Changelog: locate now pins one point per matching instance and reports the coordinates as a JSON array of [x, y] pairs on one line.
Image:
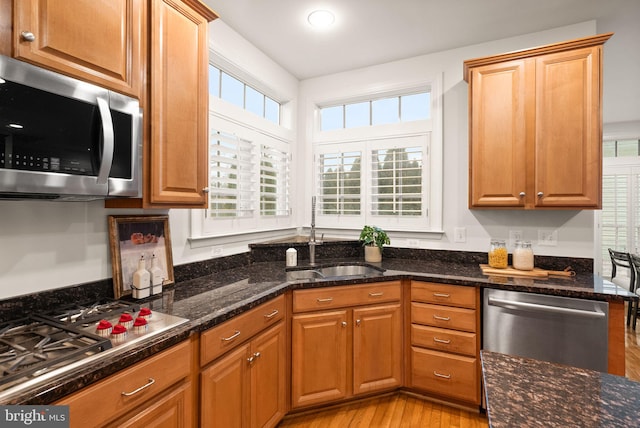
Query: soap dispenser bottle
[[156, 275], [141, 280]]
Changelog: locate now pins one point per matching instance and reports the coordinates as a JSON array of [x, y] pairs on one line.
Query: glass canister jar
[[498, 256], [523, 256]]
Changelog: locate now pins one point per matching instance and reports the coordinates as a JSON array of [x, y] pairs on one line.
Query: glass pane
[[356, 115], [415, 107], [254, 101], [386, 110], [214, 81], [627, 148], [331, 118], [609, 149], [272, 110], [232, 90]]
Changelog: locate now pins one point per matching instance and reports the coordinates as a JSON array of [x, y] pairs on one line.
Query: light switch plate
[[547, 237]]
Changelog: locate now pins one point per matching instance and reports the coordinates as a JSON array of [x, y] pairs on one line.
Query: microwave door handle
[[107, 141]]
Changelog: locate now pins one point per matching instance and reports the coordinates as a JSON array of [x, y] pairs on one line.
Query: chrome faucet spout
[[312, 233]]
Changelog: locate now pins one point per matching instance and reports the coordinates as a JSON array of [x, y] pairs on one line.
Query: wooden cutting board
[[535, 273]]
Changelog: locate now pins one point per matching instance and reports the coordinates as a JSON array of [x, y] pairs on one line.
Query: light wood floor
[[402, 410]]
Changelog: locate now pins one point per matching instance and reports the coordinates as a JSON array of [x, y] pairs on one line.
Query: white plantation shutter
[[339, 183], [396, 181], [274, 181], [231, 188]]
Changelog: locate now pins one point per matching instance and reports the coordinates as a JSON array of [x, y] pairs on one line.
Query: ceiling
[[368, 32]]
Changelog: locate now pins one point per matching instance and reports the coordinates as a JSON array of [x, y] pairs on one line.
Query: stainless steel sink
[[334, 272]]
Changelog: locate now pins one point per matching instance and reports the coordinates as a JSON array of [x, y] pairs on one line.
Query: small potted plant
[[373, 239]]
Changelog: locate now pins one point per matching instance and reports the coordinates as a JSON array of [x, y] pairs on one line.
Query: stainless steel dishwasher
[[558, 329]]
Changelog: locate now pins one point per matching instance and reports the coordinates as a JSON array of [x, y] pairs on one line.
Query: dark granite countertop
[[523, 392], [211, 299]]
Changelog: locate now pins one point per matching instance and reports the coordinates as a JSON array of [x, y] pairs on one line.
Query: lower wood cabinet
[[343, 352], [156, 392], [445, 343], [246, 387]]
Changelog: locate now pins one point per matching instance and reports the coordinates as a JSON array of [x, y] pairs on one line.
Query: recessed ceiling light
[[321, 19]]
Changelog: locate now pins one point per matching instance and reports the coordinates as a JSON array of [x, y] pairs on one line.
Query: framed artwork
[[135, 237]]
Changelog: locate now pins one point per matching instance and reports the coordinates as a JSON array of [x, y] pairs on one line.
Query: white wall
[[46, 245]]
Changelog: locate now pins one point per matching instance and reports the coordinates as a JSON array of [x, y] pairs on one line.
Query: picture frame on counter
[[136, 237]]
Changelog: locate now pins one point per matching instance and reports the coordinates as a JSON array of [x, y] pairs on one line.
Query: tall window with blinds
[[231, 189], [274, 181], [396, 181], [339, 183]]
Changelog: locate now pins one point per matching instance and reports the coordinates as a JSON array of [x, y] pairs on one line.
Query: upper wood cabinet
[[101, 41], [178, 107], [535, 127]]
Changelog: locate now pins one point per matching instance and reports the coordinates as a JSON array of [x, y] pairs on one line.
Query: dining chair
[[621, 259], [635, 306]]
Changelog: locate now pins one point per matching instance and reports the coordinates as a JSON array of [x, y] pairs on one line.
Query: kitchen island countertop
[[212, 299], [523, 392]]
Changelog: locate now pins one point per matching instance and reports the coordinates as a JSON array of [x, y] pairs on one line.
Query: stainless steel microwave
[[65, 139]]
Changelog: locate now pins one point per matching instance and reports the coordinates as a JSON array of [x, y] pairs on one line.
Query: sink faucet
[[312, 234]]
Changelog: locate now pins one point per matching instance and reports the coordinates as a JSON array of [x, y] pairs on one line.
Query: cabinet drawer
[[222, 338], [443, 339], [347, 295], [444, 316], [450, 375], [95, 405], [443, 294]]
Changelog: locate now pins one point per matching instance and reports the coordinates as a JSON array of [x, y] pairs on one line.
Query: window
[[378, 160], [274, 182], [223, 85], [231, 191], [404, 108], [619, 219]]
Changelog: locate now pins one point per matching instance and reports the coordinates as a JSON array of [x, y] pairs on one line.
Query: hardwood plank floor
[[404, 410], [389, 411]]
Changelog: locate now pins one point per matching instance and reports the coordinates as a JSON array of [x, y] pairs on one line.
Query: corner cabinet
[[535, 127], [100, 41], [346, 341]]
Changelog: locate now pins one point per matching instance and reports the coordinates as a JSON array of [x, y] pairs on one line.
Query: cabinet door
[[96, 40], [498, 136], [179, 105], [224, 391], [377, 348], [319, 357], [268, 378], [172, 410], [568, 129]]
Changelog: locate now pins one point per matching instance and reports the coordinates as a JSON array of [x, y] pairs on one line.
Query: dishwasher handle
[[512, 304]]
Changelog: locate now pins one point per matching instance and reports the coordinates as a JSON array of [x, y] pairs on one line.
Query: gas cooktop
[[40, 347]]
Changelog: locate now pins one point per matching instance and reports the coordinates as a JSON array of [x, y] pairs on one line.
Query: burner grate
[[90, 312]]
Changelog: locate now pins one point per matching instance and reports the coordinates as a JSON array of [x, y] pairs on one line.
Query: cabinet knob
[[28, 36], [522, 194], [205, 190], [540, 194], [358, 323], [344, 323]]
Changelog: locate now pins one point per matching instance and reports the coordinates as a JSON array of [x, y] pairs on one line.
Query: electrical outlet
[[413, 243], [216, 251], [460, 234], [547, 237], [514, 235]]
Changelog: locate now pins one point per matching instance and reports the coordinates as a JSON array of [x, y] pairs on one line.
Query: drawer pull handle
[[439, 318], [444, 376], [328, 299], [252, 358], [445, 341], [135, 391], [233, 336], [272, 314], [376, 294], [445, 295]]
